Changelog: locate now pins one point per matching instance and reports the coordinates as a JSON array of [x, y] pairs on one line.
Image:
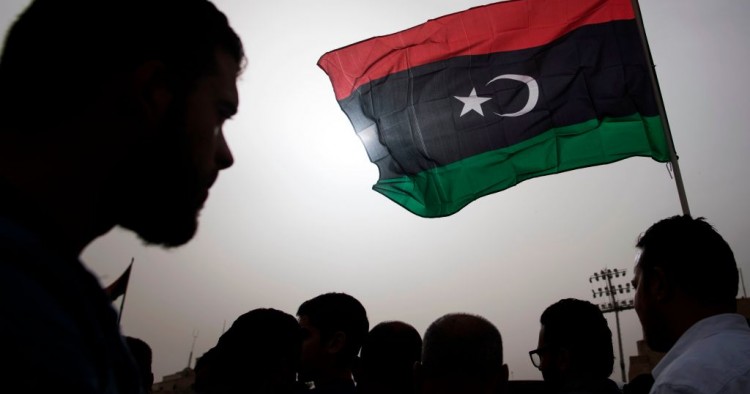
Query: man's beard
[[160, 192], [654, 326]]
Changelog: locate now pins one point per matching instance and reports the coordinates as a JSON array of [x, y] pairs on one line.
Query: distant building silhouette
[[176, 383], [644, 362]]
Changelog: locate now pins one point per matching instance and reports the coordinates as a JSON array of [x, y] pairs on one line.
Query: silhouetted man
[[461, 354], [334, 325], [387, 359], [111, 113], [574, 352], [259, 354], [686, 287], [143, 357]]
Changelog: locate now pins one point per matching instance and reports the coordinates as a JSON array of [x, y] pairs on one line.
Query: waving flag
[[475, 102]]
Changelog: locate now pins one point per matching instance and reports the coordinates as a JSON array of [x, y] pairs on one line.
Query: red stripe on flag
[[498, 27]]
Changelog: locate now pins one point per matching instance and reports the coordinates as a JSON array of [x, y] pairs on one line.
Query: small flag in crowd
[[120, 286]]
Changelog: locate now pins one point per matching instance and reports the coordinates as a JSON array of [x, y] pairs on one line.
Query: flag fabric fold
[[475, 102], [120, 286]]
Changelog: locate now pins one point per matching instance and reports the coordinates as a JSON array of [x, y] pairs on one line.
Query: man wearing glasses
[[575, 349]]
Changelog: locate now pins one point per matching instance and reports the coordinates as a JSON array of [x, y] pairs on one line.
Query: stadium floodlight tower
[[612, 295]]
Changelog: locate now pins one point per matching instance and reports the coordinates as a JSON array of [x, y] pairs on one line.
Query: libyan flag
[[475, 102]]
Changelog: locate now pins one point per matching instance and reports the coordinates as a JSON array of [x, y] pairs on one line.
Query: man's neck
[[64, 228], [689, 312]]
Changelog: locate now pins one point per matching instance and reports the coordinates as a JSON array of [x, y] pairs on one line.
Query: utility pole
[[613, 304]]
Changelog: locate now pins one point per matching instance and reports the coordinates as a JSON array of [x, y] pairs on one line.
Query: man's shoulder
[[41, 341], [726, 345], [716, 363], [25, 298], [58, 331], [31, 280]]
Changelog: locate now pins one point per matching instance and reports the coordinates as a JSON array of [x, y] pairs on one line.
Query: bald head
[[458, 346], [391, 344], [387, 359]]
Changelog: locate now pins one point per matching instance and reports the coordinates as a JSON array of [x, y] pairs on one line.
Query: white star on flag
[[472, 102]]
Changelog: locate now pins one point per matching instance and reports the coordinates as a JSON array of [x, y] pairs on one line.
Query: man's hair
[[460, 346], [580, 327], [143, 356], [694, 256], [260, 335], [258, 344], [332, 312], [391, 344], [60, 55], [388, 355], [140, 351]]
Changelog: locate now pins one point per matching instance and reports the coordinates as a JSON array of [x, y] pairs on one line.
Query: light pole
[[614, 303]]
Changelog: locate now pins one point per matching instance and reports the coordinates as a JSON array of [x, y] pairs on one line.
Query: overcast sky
[[296, 217]]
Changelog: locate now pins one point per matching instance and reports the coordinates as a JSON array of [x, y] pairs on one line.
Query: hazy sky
[[296, 217]]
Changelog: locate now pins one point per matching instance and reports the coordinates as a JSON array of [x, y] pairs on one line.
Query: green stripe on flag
[[445, 190]]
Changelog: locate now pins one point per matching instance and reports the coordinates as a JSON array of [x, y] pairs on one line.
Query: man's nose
[[224, 156]]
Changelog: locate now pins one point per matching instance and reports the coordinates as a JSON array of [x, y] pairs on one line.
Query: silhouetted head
[[575, 344], [74, 50], [139, 90], [334, 326], [461, 353], [142, 356], [258, 354], [685, 271], [387, 359]]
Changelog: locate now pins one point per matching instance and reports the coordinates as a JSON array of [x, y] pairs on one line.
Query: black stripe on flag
[[411, 121]]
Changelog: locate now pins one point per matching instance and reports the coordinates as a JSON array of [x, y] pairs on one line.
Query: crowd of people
[[126, 130], [686, 284], [686, 311]]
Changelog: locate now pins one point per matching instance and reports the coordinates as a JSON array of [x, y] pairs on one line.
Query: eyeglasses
[[535, 356]]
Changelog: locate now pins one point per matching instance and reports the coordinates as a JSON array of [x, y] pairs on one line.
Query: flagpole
[[125, 293], [190, 358], [662, 110]]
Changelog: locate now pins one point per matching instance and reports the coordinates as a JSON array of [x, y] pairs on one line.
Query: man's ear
[[151, 90], [336, 343], [504, 373], [658, 285]]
